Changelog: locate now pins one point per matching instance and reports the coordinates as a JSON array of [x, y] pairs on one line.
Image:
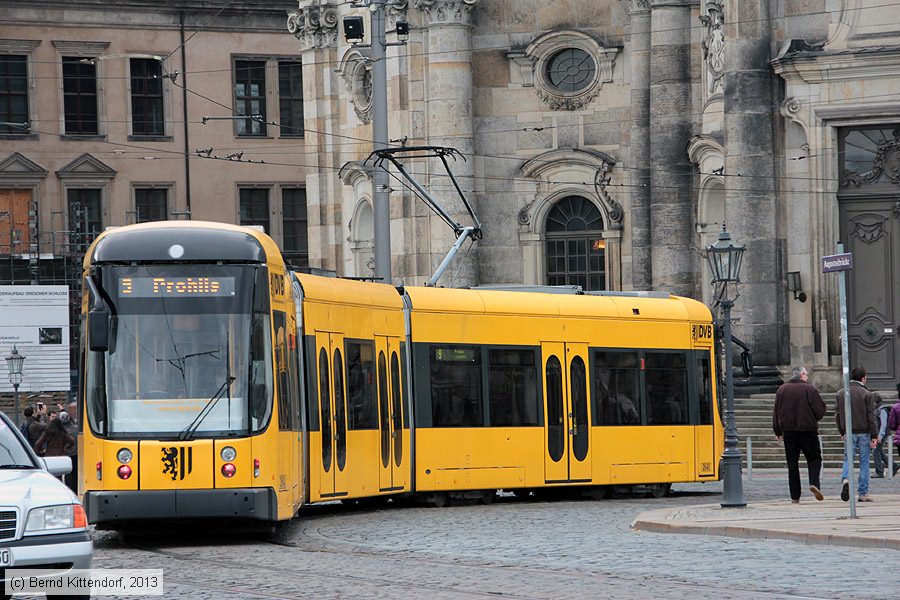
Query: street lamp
[[15, 362], [725, 261]]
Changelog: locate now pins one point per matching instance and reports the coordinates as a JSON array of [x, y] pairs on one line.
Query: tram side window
[[281, 368], [362, 410], [512, 381], [456, 397], [617, 399], [260, 355], [704, 388], [665, 380]]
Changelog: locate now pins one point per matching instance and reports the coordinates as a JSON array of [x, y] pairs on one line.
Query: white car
[[42, 523]]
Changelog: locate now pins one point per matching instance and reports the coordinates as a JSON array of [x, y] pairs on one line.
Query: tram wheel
[[599, 492], [660, 490], [488, 497], [438, 500]]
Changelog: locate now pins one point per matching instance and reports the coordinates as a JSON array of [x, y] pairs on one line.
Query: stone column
[[750, 208], [314, 24], [671, 207], [449, 122], [638, 42]]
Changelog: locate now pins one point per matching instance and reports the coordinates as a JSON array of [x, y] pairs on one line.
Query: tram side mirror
[[98, 329]]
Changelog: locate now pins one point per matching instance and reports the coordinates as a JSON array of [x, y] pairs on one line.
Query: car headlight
[[50, 517]]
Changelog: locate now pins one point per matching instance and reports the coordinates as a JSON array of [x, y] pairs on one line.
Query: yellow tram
[[217, 384]]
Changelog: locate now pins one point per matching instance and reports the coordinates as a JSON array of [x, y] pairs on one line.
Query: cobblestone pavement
[[510, 549]]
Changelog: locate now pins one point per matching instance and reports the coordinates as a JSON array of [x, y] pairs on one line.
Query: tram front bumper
[[247, 503]]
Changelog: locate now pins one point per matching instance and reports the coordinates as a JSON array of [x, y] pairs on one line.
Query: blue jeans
[[861, 444]]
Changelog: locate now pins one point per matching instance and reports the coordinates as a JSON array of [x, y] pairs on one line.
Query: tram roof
[[200, 240], [349, 291], [452, 300]]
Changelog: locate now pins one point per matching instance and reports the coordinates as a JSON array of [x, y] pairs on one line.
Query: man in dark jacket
[[864, 430], [798, 410]]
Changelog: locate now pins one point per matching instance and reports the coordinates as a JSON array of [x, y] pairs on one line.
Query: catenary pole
[[381, 190]]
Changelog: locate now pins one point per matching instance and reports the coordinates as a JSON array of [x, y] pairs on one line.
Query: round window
[[571, 70]]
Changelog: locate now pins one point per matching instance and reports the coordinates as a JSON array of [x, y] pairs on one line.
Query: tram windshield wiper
[[187, 433]]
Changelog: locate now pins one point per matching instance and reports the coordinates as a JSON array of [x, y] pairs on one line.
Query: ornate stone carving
[[868, 228], [637, 6], [314, 24], [444, 12], [714, 44], [790, 107], [896, 210], [886, 162], [614, 209]]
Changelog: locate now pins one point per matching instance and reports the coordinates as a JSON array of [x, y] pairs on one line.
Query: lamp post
[[15, 362], [725, 261]]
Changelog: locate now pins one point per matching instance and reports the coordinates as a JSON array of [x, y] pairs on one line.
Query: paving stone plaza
[[519, 549]]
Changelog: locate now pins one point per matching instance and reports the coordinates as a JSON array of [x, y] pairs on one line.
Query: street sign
[[843, 261], [837, 262]]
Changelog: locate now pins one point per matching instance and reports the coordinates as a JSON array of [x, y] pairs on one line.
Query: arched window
[[576, 250]]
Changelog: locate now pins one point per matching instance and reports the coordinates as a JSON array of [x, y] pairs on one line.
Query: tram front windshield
[[183, 338]]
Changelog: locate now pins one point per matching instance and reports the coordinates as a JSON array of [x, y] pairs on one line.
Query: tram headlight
[[228, 470], [124, 456], [228, 453]]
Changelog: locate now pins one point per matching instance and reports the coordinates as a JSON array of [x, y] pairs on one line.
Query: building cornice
[[820, 66]]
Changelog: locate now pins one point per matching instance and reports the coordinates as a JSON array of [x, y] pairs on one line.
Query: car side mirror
[[58, 465], [98, 329]]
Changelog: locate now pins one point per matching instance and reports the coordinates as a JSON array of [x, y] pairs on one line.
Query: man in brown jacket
[[864, 433], [798, 410]]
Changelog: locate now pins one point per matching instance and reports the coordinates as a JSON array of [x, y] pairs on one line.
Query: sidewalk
[[811, 522]]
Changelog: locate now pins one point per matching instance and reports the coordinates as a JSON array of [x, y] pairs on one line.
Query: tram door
[[567, 407], [392, 459], [332, 399]]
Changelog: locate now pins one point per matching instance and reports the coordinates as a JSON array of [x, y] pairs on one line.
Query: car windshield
[[181, 335], [13, 454]]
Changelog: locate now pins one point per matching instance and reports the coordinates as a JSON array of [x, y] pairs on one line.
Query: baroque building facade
[[606, 144], [114, 113]]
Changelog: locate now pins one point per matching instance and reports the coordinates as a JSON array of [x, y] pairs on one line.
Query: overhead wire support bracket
[[442, 152], [390, 154]]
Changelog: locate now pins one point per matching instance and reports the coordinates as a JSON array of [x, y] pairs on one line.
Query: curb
[[670, 521]]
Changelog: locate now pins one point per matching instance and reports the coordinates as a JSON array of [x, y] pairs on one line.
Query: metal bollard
[[749, 458], [890, 465]]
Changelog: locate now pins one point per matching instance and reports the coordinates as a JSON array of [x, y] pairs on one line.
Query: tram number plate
[[5, 557]]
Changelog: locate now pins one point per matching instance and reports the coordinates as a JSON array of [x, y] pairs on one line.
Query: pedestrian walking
[[893, 425], [798, 409], [864, 431], [881, 412]]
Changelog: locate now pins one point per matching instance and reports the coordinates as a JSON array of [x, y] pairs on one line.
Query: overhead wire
[[365, 141]]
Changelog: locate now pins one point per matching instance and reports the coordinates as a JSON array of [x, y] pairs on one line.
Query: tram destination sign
[[837, 262], [176, 287]]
